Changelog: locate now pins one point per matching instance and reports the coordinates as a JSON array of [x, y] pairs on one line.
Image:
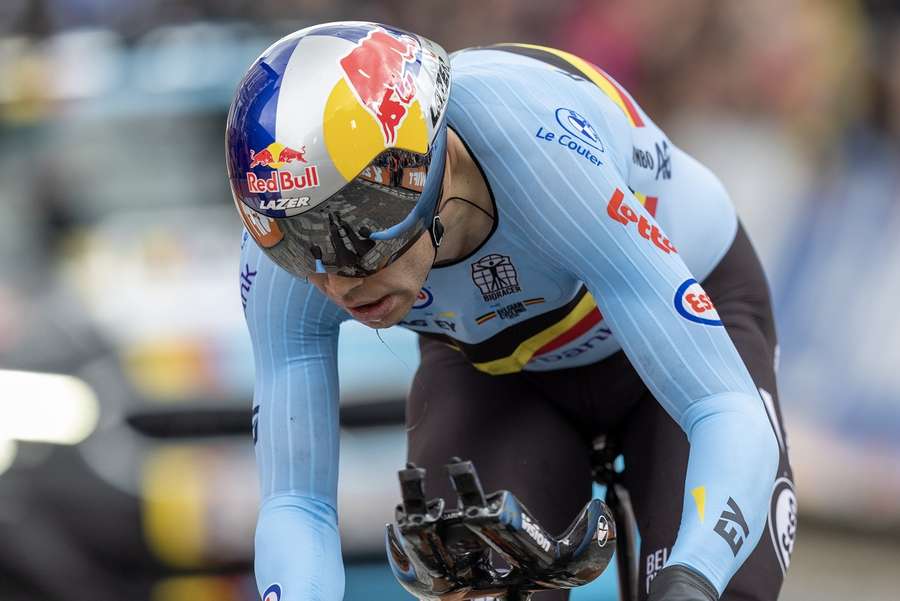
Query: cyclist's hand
[[679, 583]]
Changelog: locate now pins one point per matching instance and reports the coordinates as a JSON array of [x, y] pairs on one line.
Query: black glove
[[680, 583]]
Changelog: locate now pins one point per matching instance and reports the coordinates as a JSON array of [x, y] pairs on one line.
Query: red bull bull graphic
[[263, 158], [378, 72], [266, 156]]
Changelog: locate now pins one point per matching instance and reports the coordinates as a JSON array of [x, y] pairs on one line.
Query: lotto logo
[[624, 214]]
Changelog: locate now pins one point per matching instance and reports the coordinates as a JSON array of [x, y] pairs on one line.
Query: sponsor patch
[[602, 531], [247, 277], [578, 135], [654, 563], [732, 526], [642, 158], [783, 521], [423, 299], [535, 533], [273, 593], [496, 277], [579, 127], [444, 324], [693, 304], [663, 161], [621, 212], [510, 311], [283, 181]]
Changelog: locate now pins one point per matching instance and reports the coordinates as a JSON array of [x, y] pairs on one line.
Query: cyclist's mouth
[[373, 312]]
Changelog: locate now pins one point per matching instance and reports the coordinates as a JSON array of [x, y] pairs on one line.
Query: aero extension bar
[[438, 552]]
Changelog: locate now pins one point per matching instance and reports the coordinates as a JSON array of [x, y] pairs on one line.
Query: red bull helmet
[[336, 143]]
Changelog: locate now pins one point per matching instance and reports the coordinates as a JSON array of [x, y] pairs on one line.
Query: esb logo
[[273, 593], [694, 304], [423, 299]]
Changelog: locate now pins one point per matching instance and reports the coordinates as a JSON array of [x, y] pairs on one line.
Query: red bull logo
[[283, 181], [376, 70]]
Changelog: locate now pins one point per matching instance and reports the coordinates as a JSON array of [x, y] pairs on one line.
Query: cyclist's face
[[382, 299]]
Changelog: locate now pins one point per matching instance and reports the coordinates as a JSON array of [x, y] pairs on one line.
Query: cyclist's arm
[[294, 330], [569, 213]]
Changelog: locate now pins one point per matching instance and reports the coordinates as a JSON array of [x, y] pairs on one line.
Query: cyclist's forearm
[[298, 551], [731, 468]]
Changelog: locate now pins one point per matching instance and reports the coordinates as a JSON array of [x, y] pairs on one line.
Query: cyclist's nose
[[338, 286]]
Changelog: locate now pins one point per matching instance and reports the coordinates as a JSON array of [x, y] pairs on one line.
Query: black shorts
[[532, 432]]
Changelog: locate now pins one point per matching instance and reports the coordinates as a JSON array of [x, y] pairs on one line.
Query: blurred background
[[126, 467]]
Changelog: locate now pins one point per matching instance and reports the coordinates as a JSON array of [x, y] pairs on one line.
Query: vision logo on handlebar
[[436, 551]]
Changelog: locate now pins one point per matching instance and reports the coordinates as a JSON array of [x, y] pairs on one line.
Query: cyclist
[[548, 243]]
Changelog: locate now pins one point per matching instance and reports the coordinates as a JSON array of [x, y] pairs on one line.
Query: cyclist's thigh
[[656, 449], [516, 438]]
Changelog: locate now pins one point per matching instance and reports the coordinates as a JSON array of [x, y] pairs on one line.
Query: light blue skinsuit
[[588, 193]]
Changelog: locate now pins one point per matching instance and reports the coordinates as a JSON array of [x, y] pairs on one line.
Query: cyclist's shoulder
[[542, 108], [276, 302]]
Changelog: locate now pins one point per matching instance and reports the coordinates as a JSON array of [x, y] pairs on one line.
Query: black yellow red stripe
[[578, 66], [650, 202], [486, 317]]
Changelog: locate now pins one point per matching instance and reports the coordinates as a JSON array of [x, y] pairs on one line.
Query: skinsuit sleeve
[[294, 331], [580, 216]]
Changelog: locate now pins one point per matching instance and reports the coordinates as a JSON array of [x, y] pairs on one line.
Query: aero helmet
[[335, 146]]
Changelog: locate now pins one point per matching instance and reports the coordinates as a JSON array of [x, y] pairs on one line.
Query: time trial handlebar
[[445, 553]]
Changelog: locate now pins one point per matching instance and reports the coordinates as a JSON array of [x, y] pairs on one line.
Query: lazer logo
[[535, 533], [624, 214], [283, 204], [731, 525]]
